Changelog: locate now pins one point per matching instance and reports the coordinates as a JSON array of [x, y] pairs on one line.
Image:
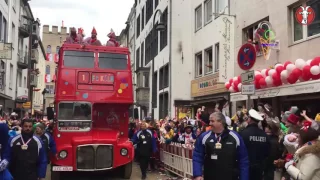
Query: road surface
[[136, 175]]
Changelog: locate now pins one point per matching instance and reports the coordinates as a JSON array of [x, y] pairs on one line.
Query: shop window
[[138, 26], [49, 49], [198, 18], [208, 60], [198, 65], [216, 57], [248, 34], [207, 11], [302, 32]]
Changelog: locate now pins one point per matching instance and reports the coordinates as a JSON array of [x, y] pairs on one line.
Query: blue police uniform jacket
[[145, 141], [28, 164], [229, 162], [4, 137]]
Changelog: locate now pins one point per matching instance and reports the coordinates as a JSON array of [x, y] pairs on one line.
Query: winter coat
[[307, 163]]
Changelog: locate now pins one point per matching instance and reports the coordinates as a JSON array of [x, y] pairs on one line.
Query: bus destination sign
[[102, 78]]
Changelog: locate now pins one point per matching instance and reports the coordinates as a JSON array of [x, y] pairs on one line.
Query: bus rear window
[[113, 61], [76, 59]]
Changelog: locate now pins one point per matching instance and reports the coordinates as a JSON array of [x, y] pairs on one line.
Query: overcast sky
[[103, 14]]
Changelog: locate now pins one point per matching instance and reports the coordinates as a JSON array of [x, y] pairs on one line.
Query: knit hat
[[293, 119], [41, 126]]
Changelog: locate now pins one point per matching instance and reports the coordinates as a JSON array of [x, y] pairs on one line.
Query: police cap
[[255, 115]]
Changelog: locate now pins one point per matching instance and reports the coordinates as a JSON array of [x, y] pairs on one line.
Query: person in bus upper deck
[[26, 155], [93, 40], [74, 38], [146, 145]]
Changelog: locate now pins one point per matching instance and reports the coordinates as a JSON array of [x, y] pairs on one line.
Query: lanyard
[[26, 142], [218, 138]]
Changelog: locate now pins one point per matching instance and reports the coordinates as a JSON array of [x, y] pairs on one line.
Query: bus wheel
[[126, 170], [55, 175]]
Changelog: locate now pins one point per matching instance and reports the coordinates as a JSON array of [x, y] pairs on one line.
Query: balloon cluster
[[286, 73]]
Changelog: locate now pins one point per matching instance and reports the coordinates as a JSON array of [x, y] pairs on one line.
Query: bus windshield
[[74, 111], [113, 61], [78, 59]]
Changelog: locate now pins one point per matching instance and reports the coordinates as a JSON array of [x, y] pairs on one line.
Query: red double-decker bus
[[92, 98]]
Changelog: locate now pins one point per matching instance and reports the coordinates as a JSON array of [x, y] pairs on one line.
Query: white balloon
[[256, 73], [275, 66], [231, 89], [300, 63], [308, 62], [284, 75], [239, 86], [263, 72], [235, 78], [227, 83], [290, 67], [315, 70], [269, 81], [271, 72]]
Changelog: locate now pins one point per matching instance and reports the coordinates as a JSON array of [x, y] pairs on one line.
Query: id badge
[[144, 142], [24, 147], [214, 157]]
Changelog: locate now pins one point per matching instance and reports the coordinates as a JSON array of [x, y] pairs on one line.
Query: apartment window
[[164, 105], [138, 26], [164, 34], [155, 92], [156, 3], [142, 54], [19, 79], [198, 64], [248, 35], [208, 11], [198, 17], [47, 69], [49, 49], [14, 4], [164, 77], [57, 49], [25, 82], [142, 18], [208, 60], [220, 6], [11, 76], [302, 32], [13, 35], [146, 79], [5, 30], [50, 89], [137, 58], [149, 10], [1, 37], [216, 57], [151, 46]]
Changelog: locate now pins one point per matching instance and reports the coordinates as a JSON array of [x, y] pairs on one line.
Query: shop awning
[[182, 103], [285, 90], [210, 98]]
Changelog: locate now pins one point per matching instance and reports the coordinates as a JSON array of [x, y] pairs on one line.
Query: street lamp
[[160, 27]]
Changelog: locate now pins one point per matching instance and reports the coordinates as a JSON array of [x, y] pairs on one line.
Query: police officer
[[146, 145], [26, 155], [257, 143], [220, 152]]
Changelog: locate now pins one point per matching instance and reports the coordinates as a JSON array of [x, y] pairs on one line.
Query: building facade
[[295, 41]]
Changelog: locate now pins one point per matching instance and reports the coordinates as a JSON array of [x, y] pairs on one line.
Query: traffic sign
[[247, 56], [247, 89], [247, 77]]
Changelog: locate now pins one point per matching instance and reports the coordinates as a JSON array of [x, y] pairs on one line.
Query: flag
[[47, 78], [54, 78], [49, 57], [56, 58]]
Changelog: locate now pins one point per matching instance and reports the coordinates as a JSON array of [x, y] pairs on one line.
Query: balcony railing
[[22, 94], [22, 60], [35, 55], [24, 28], [33, 80]]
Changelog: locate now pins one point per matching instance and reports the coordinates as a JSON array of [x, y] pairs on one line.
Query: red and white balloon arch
[[286, 73]]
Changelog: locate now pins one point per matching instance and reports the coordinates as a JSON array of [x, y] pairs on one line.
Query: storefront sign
[[26, 105], [206, 86], [247, 89], [226, 27]]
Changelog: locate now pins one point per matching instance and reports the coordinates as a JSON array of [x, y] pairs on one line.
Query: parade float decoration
[[281, 74]]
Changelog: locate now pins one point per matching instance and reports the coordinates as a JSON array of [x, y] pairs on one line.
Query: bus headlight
[[124, 152], [63, 154]]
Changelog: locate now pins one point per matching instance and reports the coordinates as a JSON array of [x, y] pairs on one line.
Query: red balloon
[[231, 81], [276, 79], [235, 87], [315, 77], [296, 73], [228, 86], [256, 84], [279, 69], [306, 75], [258, 77], [235, 84], [292, 79], [285, 64], [239, 78], [267, 72], [315, 62], [262, 82]]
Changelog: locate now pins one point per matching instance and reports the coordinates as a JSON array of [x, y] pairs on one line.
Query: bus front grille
[[94, 157]]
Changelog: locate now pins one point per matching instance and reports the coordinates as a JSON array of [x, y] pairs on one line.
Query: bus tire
[[55, 175], [126, 171]]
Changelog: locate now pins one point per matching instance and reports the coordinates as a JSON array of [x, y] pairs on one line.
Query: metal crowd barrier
[[177, 159]]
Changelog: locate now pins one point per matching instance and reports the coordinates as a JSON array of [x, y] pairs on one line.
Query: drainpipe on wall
[[134, 57], [170, 59]]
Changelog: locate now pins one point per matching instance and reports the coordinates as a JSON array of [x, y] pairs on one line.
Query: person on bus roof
[[93, 40], [74, 38], [112, 41]]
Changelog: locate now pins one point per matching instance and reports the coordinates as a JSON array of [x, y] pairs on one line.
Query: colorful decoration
[[286, 73], [63, 92], [120, 91], [265, 36], [85, 95], [246, 56], [123, 85]]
